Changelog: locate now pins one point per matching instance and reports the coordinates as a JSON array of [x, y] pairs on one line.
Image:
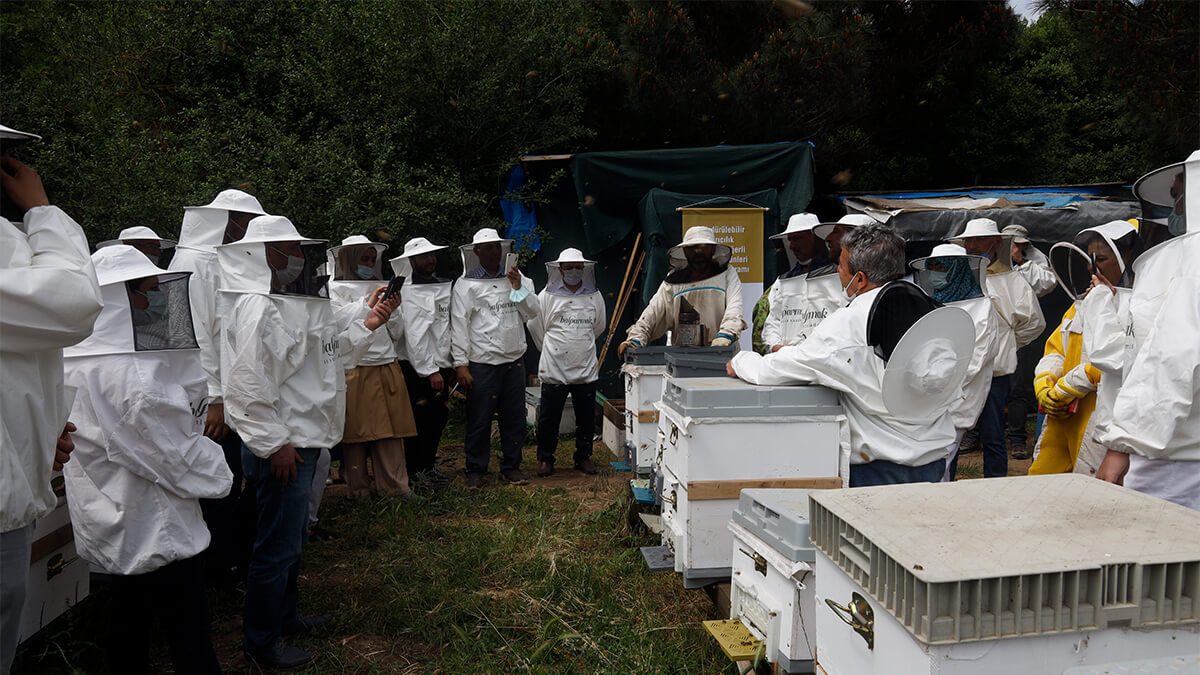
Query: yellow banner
[[739, 228]]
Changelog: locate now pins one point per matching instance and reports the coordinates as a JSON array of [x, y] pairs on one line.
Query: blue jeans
[[883, 472], [282, 526], [991, 429]]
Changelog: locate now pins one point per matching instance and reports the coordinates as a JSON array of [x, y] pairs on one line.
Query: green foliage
[[396, 119]]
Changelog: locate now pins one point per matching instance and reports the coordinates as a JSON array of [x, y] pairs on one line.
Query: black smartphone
[[393, 288]]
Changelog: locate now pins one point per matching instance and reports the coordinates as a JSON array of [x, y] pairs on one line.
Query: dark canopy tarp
[[662, 228], [610, 185]]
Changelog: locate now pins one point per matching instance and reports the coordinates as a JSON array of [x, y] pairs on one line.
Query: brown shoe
[[587, 467], [545, 469]]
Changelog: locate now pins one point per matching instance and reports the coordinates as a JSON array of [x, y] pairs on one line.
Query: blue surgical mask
[[1176, 224], [938, 279], [366, 272]]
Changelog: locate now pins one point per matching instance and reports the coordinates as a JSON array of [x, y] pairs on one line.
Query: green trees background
[[402, 118]]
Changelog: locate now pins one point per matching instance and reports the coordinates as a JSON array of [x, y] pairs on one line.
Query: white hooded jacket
[[49, 299], [799, 305], [283, 358], [425, 311], [1036, 271], [1019, 310], [141, 461], [837, 355], [348, 296], [203, 229], [487, 321], [566, 329]]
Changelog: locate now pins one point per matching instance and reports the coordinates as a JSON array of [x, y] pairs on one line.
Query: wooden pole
[[623, 294]]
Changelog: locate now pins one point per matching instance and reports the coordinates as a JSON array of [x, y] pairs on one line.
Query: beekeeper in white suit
[[956, 279], [49, 299], [283, 363], [886, 446], [142, 462], [799, 301], [700, 274], [428, 370], [204, 227], [1154, 437], [378, 414], [143, 239], [1018, 306], [491, 303], [572, 317]]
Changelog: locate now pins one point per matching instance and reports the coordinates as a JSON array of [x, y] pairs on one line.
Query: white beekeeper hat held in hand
[[925, 372]]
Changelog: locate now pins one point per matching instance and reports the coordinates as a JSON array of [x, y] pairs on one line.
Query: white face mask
[[295, 266], [848, 296], [572, 277]]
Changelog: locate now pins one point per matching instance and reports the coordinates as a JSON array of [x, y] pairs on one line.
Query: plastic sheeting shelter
[[599, 202]]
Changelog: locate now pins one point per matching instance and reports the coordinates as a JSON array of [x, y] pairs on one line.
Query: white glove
[[721, 342]]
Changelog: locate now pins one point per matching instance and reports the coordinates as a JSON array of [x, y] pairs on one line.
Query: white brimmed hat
[[487, 235], [266, 229], [926, 369], [942, 251], [1019, 234], [16, 137], [1155, 187], [234, 200], [120, 262], [139, 233], [418, 246], [696, 236], [800, 222], [979, 227], [822, 230], [570, 255]]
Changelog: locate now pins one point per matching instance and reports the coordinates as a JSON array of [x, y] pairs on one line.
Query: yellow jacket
[[1064, 373]]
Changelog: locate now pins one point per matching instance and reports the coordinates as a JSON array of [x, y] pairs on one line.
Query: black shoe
[[587, 467], [514, 476], [281, 656], [318, 533], [968, 444], [474, 480], [304, 624], [545, 469], [1019, 451]]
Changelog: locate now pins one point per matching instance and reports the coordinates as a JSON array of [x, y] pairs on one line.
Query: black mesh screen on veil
[[161, 314], [309, 282], [897, 306]]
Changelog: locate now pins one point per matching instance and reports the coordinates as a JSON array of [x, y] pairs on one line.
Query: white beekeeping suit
[[566, 330], [487, 316], [799, 302], [425, 311], [1156, 415], [1036, 268], [282, 355], [49, 299], [143, 239], [1015, 301], [141, 461], [956, 279], [350, 287], [202, 231], [717, 298]]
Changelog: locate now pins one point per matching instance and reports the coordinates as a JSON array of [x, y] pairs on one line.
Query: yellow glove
[[626, 345], [1050, 400], [722, 340]]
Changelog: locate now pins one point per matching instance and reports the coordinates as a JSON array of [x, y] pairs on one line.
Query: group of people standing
[[204, 398]]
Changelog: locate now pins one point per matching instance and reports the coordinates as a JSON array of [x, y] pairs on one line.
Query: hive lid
[[1007, 557], [778, 516], [731, 397]]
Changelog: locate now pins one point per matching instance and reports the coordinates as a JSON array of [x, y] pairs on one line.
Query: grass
[[500, 580]]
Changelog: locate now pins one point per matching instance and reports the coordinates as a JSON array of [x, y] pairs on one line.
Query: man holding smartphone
[[489, 309]]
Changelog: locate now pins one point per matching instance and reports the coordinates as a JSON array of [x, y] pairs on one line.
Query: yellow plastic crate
[[734, 638]]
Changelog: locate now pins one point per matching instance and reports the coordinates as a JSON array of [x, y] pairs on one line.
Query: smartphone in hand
[[393, 288], [511, 262]]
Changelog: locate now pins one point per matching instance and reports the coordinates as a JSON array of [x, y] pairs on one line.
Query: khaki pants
[[387, 459]]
